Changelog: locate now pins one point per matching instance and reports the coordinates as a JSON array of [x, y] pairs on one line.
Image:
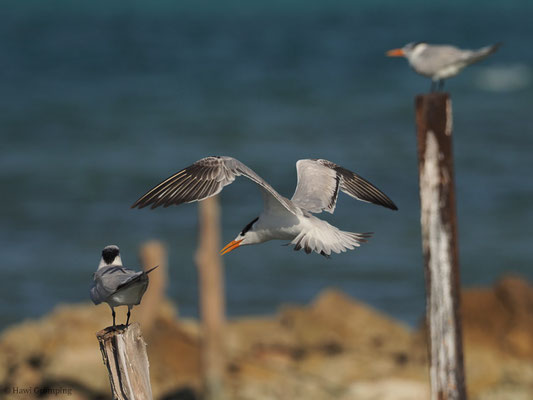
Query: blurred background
[[101, 100]]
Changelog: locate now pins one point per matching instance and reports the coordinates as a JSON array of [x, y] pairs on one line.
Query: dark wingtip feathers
[[496, 46], [151, 269], [387, 203], [325, 255]]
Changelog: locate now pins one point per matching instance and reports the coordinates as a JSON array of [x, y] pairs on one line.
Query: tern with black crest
[[319, 184], [440, 62], [117, 285]]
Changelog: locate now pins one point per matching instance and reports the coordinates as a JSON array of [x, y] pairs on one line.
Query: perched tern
[[319, 183], [117, 285], [440, 62]]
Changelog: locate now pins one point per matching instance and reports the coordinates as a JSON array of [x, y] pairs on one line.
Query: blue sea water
[[101, 100]]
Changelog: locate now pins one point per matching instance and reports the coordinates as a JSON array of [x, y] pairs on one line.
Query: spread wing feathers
[[110, 280], [317, 188], [324, 239], [319, 182], [205, 178]]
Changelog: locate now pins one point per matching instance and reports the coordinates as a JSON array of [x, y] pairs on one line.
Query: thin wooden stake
[[212, 304], [439, 242], [124, 354]]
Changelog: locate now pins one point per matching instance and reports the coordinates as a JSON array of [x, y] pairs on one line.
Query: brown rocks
[[501, 317], [335, 348], [498, 338]]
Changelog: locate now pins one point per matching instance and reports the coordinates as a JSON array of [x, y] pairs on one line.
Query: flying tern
[[319, 183], [440, 62], [117, 285]]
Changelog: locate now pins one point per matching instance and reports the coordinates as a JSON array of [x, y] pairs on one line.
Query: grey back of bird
[[118, 285]]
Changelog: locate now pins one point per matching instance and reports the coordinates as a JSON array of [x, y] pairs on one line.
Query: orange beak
[[230, 246], [395, 53]]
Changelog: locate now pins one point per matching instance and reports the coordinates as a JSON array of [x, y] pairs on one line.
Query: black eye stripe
[[248, 227]]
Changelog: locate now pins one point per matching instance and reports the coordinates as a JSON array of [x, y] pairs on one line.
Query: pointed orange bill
[[230, 246], [395, 53]]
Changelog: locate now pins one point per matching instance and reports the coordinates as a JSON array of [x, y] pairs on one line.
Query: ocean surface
[[99, 101]]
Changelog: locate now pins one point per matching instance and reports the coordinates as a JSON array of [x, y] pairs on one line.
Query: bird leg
[[129, 313], [432, 88], [114, 315], [441, 85]]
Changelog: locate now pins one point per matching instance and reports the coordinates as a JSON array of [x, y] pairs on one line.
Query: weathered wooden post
[[212, 304], [124, 354], [439, 242]]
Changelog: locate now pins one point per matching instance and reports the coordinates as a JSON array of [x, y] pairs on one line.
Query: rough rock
[[501, 317], [388, 389], [335, 348], [498, 341], [62, 350]]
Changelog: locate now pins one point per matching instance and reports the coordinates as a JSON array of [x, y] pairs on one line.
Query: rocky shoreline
[[334, 348]]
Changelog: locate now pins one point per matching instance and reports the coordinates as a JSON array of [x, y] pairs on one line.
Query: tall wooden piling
[[124, 354], [151, 254], [212, 303], [439, 242]]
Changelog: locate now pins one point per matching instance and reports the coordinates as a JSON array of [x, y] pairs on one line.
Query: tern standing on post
[[117, 285], [319, 183], [440, 62]]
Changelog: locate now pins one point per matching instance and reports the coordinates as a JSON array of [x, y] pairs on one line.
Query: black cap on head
[[249, 226], [109, 253]]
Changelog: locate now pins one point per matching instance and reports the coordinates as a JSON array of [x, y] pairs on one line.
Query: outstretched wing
[[319, 182], [205, 178]]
